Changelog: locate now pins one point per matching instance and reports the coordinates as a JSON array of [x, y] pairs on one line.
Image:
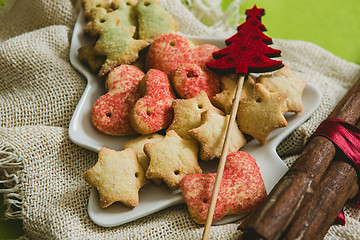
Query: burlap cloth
[[42, 169]]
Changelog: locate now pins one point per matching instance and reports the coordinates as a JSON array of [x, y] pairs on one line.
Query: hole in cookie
[[258, 100], [108, 115], [136, 174], [200, 106], [189, 75], [128, 3], [172, 43], [205, 200], [148, 112], [102, 20], [146, 4], [177, 172]]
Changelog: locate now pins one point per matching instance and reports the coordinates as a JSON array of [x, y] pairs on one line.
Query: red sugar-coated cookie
[[110, 112], [242, 189], [170, 51], [189, 79], [125, 78], [203, 54], [153, 112]]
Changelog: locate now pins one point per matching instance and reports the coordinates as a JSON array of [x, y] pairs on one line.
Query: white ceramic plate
[[154, 198]]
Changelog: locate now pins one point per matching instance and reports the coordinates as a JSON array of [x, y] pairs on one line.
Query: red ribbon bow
[[347, 138]]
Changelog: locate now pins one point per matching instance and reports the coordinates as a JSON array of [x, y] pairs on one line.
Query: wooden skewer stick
[[222, 160], [244, 53]]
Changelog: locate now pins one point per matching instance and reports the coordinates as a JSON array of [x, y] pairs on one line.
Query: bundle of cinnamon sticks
[[308, 198]]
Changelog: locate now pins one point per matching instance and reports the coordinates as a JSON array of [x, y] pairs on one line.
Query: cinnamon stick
[[274, 215], [317, 214]]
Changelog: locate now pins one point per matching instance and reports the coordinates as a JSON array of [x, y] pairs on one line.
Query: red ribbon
[[347, 138]]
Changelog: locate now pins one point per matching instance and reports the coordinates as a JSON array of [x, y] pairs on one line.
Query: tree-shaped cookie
[[154, 21]]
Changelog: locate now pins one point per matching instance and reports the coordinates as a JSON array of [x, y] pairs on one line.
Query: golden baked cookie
[[187, 113], [211, 135], [283, 80], [117, 176], [171, 159], [260, 114]]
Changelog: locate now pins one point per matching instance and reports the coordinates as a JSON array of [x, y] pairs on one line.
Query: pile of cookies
[[176, 109], [120, 29]]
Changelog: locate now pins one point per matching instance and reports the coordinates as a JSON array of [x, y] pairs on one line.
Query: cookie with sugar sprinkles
[[114, 36], [189, 79], [185, 64], [242, 189], [117, 176], [110, 113], [153, 112], [125, 78], [167, 52], [153, 20]]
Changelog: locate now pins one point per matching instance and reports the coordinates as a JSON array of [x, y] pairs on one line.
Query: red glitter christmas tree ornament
[[247, 51]]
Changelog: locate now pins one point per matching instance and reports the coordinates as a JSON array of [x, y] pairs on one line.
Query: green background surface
[[334, 25], [331, 24]]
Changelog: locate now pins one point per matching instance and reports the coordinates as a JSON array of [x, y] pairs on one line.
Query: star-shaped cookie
[[224, 99], [261, 113], [284, 80], [187, 113], [171, 159], [138, 144], [117, 176], [211, 135]]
